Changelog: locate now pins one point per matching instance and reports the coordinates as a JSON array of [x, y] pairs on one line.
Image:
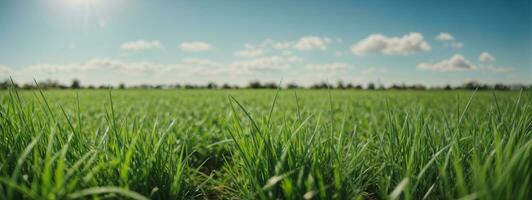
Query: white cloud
[[96, 64], [456, 62], [312, 43], [190, 70], [93, 64], [49, 68], [445, 37], [200, 62], [267, 43], [128, 67], [113, 71], [496, 69], [140, 45], [249, 53], [449, 40], [4, 70], [371, 70], [486, 57], [196, 46], [379, 44], [329, 66], [271, 63], [282, 45], [315, 73], [302, 44]]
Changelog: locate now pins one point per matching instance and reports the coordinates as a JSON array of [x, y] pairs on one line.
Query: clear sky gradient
[[170, 41]]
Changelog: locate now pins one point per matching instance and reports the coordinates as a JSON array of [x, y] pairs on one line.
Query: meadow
[[265, 144]]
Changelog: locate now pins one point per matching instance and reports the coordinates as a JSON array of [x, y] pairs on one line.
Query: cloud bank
[[338, 66], [380, 44], [4, 69], [486, 57], [456, 62], [196, 46], [249, 53], [140, 45], [312, 43], [448, 40], [445, 37], [270, 63]]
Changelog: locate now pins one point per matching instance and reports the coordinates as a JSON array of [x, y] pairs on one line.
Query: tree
[[371, 86], [212, 85], [322, 85], [472, 85], [270, 85], [350, 86], [292, 85], [75, 84], [226, 86], [6, 84], [122, 86], [190, 86], [340, 85], [500, 86], [255, 85]]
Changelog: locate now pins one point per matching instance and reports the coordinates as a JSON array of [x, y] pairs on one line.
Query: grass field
[[264, 144]]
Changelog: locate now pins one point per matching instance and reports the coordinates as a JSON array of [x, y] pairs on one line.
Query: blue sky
[[164, 41]]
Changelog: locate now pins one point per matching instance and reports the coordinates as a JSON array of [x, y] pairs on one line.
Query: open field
[[255, 144]]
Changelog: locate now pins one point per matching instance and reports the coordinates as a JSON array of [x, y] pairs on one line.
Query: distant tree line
[[76, 84]]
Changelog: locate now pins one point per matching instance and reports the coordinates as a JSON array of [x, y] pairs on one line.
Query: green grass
[[265, 144]]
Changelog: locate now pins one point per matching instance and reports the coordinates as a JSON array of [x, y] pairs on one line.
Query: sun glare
[[84, 10], [80, 2]]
